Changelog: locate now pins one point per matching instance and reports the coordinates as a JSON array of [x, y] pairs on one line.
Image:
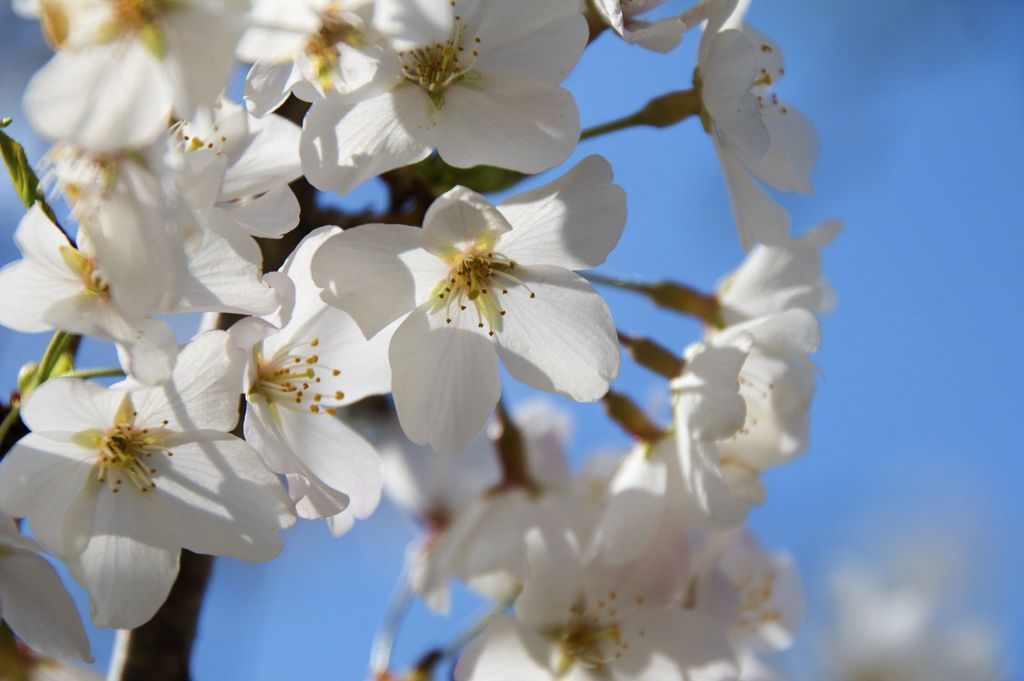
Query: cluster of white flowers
[[638, 567]]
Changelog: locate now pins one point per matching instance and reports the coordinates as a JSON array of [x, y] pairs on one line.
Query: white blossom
[[757, 137], [309, 48], [576, 620], [477, 81], [122, 67], [296, 379], [115, 482], [58, 286], [484, 544], [900, 629], [778, 277], [480, 282]]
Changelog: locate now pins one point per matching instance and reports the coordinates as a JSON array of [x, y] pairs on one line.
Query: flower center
[[321, 48], [592, 637], [437, 66], [296, 379], [125, 451], [478, 279], [139, 18], [85, 268], [756, 607]]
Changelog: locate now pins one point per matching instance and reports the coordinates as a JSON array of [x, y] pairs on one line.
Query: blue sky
[[918, 105]]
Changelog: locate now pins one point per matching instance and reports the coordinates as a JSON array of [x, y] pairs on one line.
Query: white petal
[[270, 215], [29, 290], [268, 162], [660, 36], [42, 479], [789, 161], [37, 607], [534, 38], [415, 22], [336, 456], [223, 500], [376, 273], [507, 121], [445, 380], [503, 653], [730, 69], [554, 582], [152, 348], [344, 145], [268, 85], [758, 217], [70, 405], [133, 251], [103, 97], [563, 339], [201, 41], [224, 268], [573, 222], [131, 559], [457, 219], [636, 502], [203, 390]]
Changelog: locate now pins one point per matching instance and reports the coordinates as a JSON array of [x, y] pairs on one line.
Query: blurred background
[[914, 472]]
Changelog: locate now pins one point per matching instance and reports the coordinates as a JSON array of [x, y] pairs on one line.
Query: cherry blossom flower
[[755, 135], [778, 277], [122, 66], [477, 81], [576, 620], [121, 202], [740, 406], [310, 48], [899, 629], [480, 282], [776, 385], [757, 593], [58, 286], [296, 380], [116, 481], [239, 167], [33, 601], [484, 545]]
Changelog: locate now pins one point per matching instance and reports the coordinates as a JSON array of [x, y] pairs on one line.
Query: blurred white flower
[[899, 631], [778, 277], [577, 620], [309, 48], [123, 66]]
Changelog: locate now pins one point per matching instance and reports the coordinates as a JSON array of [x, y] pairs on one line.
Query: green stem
[[611, 126], [112, 372], [660, 112], [57, 347], [616, 282], [671, 296]]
